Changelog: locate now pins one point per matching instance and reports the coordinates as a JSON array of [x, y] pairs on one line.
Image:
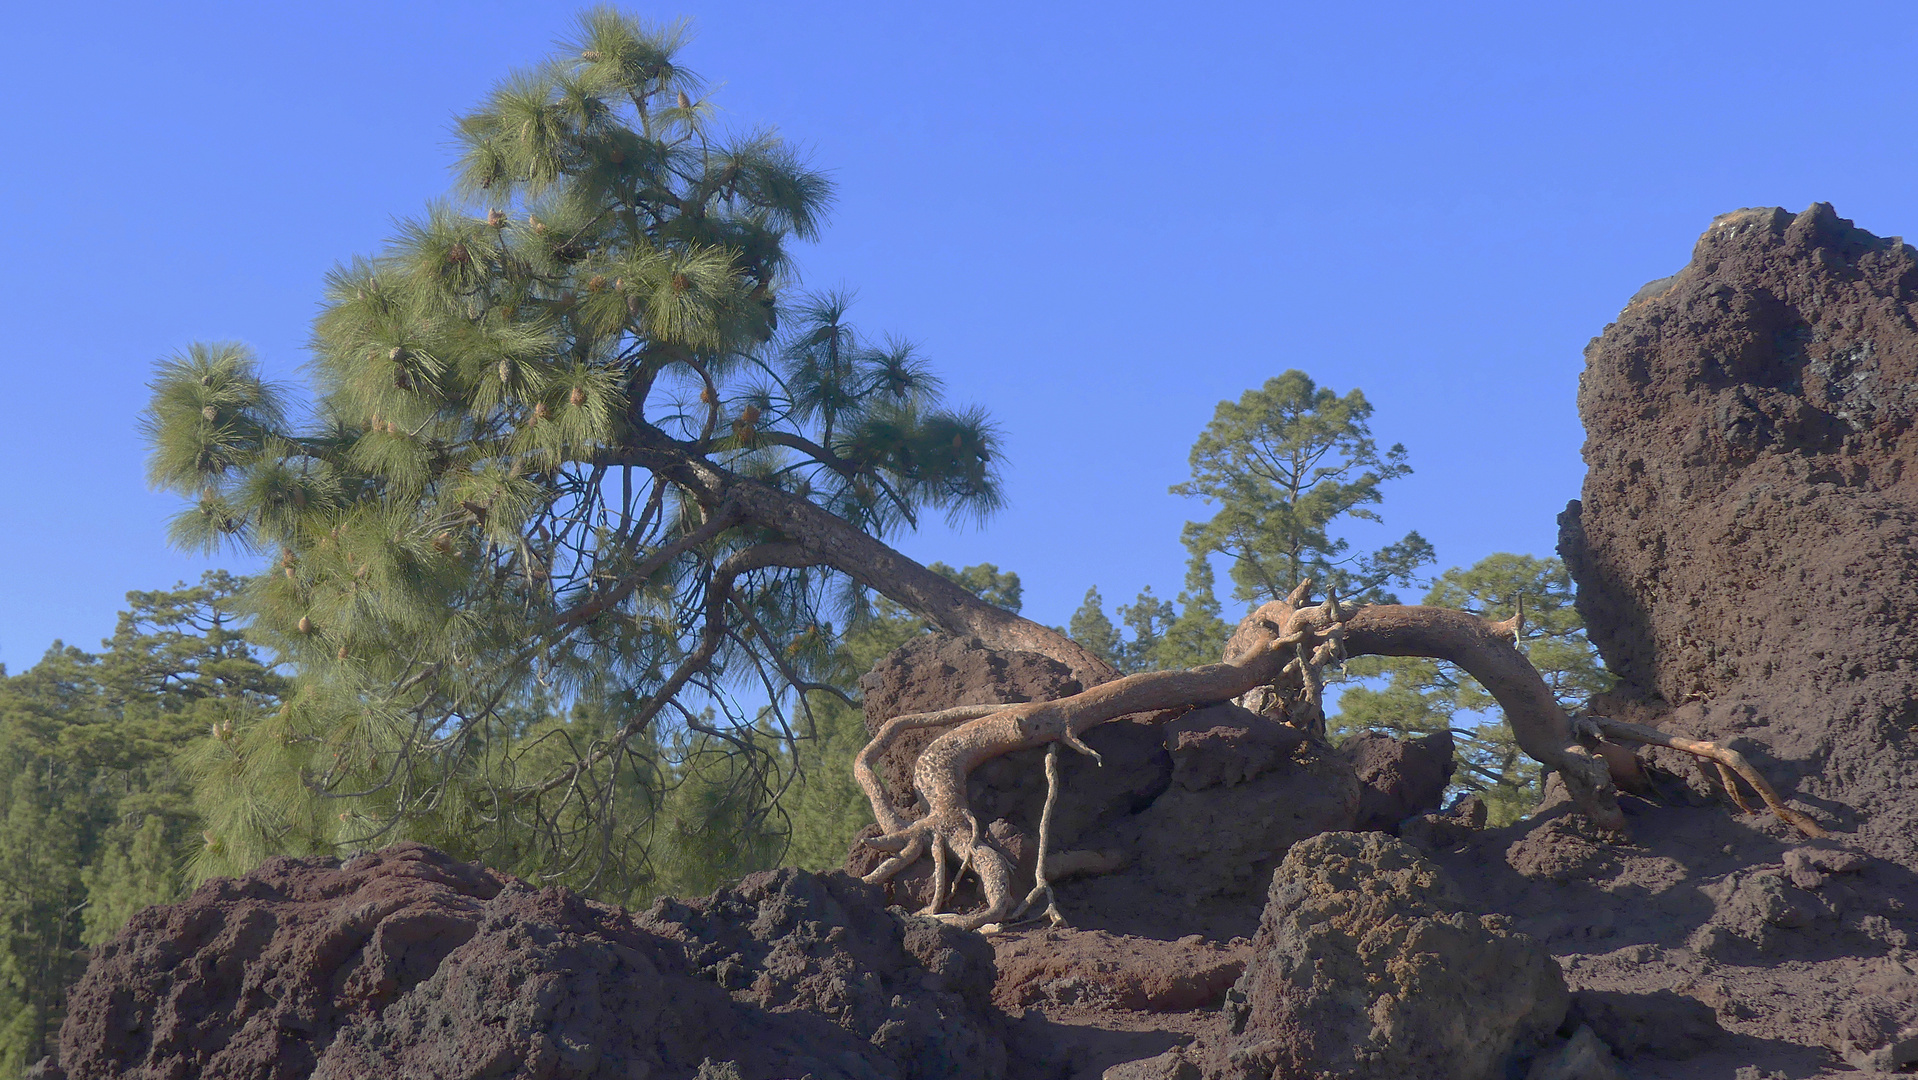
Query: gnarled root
[[1488, 652], [1278, 644], [1042, 885], [1284, 645], [883, 810], [1728, 763]]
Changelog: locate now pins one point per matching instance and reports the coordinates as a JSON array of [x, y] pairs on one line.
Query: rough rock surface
[[1064, 967], [821, 954], [1746, 547], [1366, 966], [940, 671], [1224, 745], [1399, 778], [1222, 842], [408, 963], [1198, 810]]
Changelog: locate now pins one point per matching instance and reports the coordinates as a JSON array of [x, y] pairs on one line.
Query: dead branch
[[1729, 762]]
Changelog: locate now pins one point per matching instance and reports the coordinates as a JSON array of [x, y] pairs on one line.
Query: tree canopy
[[582, 474], [1285, 464], [96, 774]]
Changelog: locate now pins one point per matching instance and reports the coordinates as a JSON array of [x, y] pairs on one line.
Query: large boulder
[[938, 671], [1365, 966], [406, 962], [1399, 778], [1746, 547], [824, 955], [1247, 789]]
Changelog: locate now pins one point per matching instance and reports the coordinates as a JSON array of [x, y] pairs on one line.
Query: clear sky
[[1099, 219]]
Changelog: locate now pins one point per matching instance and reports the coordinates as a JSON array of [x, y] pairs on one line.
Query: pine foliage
[[1286, 464], [516, 631], [100, 819], [1162, 637]]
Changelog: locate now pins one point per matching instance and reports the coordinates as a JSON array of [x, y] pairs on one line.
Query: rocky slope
[[407, 963]]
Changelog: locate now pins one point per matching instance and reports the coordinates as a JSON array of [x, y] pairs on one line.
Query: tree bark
[[841, 545]]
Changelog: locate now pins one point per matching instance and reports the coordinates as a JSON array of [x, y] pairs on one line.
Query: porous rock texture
[[1746, 544], [1399, 778], [407, 963], [1365, 966]]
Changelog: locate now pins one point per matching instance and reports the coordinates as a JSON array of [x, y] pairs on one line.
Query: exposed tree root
[[1042, 883], [1728, 763], [1283, 644]]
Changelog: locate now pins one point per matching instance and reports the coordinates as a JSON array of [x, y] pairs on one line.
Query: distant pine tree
[[100, 819]]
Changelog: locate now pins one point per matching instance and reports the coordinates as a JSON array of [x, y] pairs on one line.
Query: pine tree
[[1199, 634], [99, 818], [576, 437], [1285, 464], [1091, 628], [1420, 694], [1162, 637]]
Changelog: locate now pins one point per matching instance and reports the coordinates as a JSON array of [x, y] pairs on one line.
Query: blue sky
[[1099, 220]]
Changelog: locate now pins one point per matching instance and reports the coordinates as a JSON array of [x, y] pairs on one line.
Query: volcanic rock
[[940, 671], [1365, 966], [1223, 745], [406, 962], [1582, 1057], [1399, 778], [1746, 547], [823, 955], [1435, 832], [1880, 1030], [1658, 1024], [1224, 841]]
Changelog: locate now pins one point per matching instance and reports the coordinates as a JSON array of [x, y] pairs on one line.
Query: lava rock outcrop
[[1746, 544], [406, 962]]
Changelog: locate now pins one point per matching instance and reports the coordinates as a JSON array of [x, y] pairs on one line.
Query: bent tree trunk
[[1283, 644]]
